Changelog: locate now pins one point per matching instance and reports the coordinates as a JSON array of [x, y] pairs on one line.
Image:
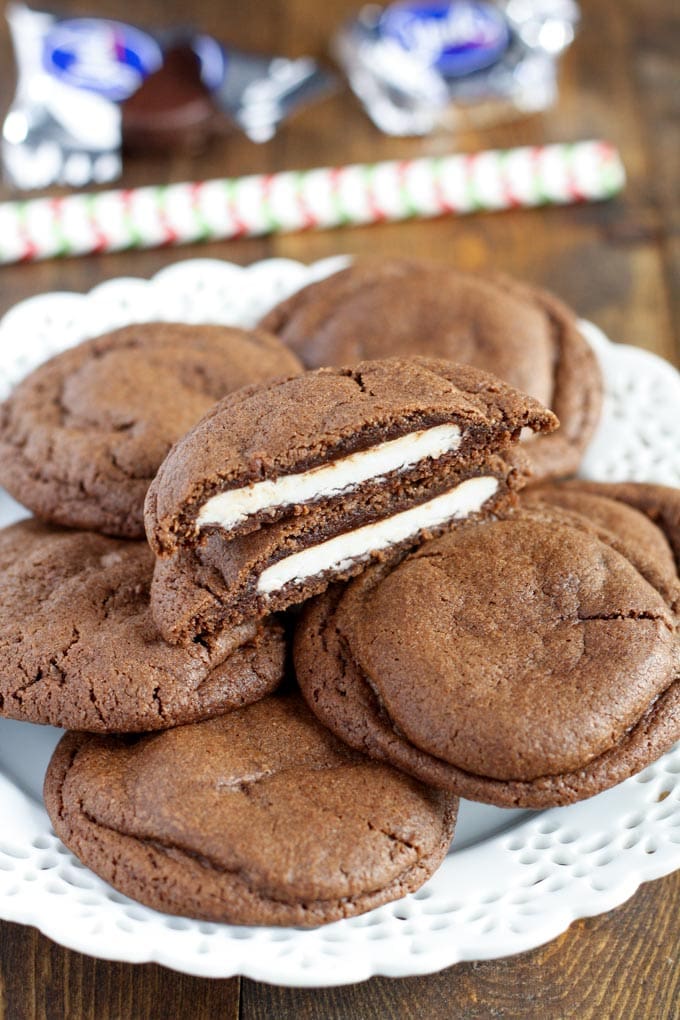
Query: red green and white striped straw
[[213, 210]]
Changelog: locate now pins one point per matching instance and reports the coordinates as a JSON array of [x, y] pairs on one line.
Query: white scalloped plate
[[513, 880]]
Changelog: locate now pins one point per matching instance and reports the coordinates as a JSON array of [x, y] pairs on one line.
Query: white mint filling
[[340, 552], [228, 509]]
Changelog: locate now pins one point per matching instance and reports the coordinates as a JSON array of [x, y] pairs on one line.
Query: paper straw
[[214, 210]]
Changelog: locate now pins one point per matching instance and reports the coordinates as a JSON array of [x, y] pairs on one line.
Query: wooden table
[[619, 265]]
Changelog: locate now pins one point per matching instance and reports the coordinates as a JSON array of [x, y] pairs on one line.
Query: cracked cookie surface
[[522, 662], [377, 309], [83, 435], [258, 817], [78, 647]]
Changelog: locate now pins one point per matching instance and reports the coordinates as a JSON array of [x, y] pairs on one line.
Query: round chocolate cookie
[[547, 659], [520, 333], [79, 649], [257, 817], [83, 435]]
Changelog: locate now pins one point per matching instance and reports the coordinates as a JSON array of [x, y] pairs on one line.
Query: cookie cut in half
[[286, 486], [79, 649], [82, 436], [379, 309], [257, 817], [530, 661]]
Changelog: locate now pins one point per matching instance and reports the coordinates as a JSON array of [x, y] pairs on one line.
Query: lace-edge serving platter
[[512, 881]]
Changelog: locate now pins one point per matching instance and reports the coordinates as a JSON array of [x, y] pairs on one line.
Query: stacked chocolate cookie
[[452, 632]]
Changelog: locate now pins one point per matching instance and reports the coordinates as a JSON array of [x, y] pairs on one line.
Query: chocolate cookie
[[79, 649], [257, 817], [284, 486], [82, 436], [520, 333], [521, 662]]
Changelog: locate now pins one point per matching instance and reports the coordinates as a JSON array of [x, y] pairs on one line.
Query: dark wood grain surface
[[618, 264]]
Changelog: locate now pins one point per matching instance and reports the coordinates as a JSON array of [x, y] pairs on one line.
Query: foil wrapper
[[422, 67], [87, 87]]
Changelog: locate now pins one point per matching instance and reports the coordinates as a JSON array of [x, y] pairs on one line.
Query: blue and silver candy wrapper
[[73, 74], [422, 67]]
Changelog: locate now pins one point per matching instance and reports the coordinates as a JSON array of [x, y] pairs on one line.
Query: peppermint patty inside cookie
[[399, 307], [83, 435], [258, 817], [285, 486]]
